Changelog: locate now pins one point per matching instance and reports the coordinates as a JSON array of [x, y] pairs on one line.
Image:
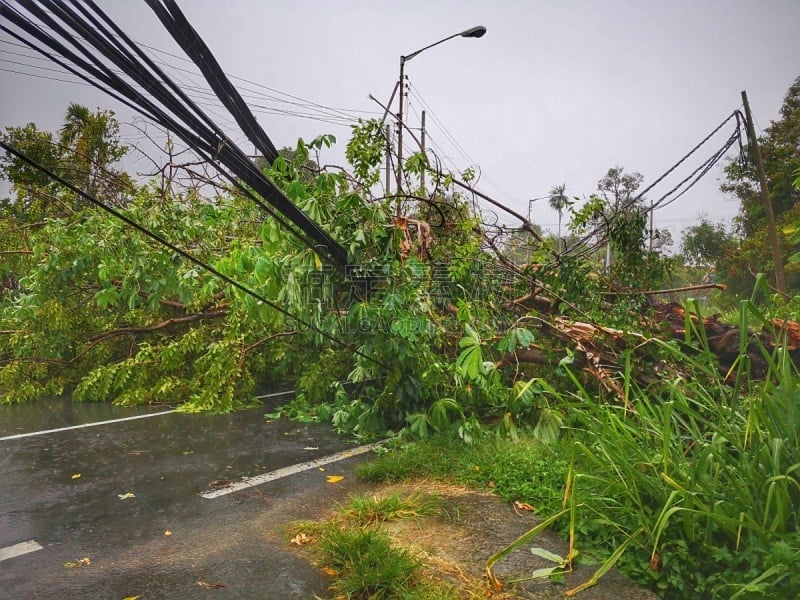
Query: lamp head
[[474, 32]]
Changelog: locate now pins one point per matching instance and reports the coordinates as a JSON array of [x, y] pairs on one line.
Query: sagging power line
[[87, 43]]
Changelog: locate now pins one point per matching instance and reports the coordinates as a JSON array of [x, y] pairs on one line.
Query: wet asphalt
[[126, 496]]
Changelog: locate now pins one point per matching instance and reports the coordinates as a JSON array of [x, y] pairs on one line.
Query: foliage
[[370, 510], [157, 328], [367, 565], [708, 477]]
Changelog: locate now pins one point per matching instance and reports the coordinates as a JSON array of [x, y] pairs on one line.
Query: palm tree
[[90, 145], [558, 202]]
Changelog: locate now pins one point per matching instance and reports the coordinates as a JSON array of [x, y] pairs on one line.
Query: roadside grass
[[371, 510], [363, 560], [367, 565], [526, 470]]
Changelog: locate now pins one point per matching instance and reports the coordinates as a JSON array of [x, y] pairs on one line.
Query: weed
[[361, 557], [371, 510], [367, 565]]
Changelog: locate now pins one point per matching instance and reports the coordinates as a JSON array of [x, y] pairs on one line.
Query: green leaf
[[470, 362], [547, 555]]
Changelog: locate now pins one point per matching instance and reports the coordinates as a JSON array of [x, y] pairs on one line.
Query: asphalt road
[[117, 510]]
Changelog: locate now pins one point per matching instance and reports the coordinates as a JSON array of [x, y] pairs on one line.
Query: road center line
[[46, 431], [291, 470], [19, 549]]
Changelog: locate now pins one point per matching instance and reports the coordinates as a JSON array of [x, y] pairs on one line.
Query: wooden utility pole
[[388, 158], [402, 91], [772, 234]]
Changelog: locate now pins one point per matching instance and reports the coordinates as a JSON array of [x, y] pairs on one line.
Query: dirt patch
[[471, 527]]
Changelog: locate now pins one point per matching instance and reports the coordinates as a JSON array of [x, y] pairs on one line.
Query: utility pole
[[387, 129], [422, 144], [402, 92], [651, 225], [772, 234]]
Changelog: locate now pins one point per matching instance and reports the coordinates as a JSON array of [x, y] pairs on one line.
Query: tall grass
[[693, 484]]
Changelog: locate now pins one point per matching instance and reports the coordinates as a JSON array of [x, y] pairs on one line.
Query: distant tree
[[706, 243], [85, 153], [618, 189], [90, 146], [662, 240], [622, 215]]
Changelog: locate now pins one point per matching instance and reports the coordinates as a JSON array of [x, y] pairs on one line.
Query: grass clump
[[372, 510], [361, 557], [367, 565]]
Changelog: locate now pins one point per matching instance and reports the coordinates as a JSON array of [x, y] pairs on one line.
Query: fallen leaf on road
[[523, 506], [81, 562], [76, 476], [301, 539], [126, 496], [311, 448], [334, 478], [167, 533], [208, 584], [220, 483], [330, 571], [322, 468], [131, 598]]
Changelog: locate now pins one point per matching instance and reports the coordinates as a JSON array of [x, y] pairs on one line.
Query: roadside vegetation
[[360, 556], [661, 436], [690, 488]]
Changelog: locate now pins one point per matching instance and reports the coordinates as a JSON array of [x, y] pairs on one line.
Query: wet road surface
[[126, 495]]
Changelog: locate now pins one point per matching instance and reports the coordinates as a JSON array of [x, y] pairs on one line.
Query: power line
[[350, 115], [148, 90]]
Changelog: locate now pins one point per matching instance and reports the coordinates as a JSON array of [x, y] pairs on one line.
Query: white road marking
[[292, 470], [19, 549], [273, 395], [46, 431]]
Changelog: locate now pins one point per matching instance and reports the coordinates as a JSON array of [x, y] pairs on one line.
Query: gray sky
[[555, 92]]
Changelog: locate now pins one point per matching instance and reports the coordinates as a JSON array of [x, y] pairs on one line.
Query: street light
[[530, 216], [472, 32], [530, 205]]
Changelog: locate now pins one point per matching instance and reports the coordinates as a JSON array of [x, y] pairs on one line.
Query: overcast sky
[[555, 92]]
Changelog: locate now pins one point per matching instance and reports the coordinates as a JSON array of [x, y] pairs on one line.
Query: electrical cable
[[184, 118], [579, 248]]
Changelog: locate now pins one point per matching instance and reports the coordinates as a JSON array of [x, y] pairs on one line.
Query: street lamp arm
[[413, 54], [474, 32]]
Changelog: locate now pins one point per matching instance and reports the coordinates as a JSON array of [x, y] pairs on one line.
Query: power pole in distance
[[422, 144]]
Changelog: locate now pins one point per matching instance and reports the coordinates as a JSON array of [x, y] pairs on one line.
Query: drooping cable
[[163, 103]]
